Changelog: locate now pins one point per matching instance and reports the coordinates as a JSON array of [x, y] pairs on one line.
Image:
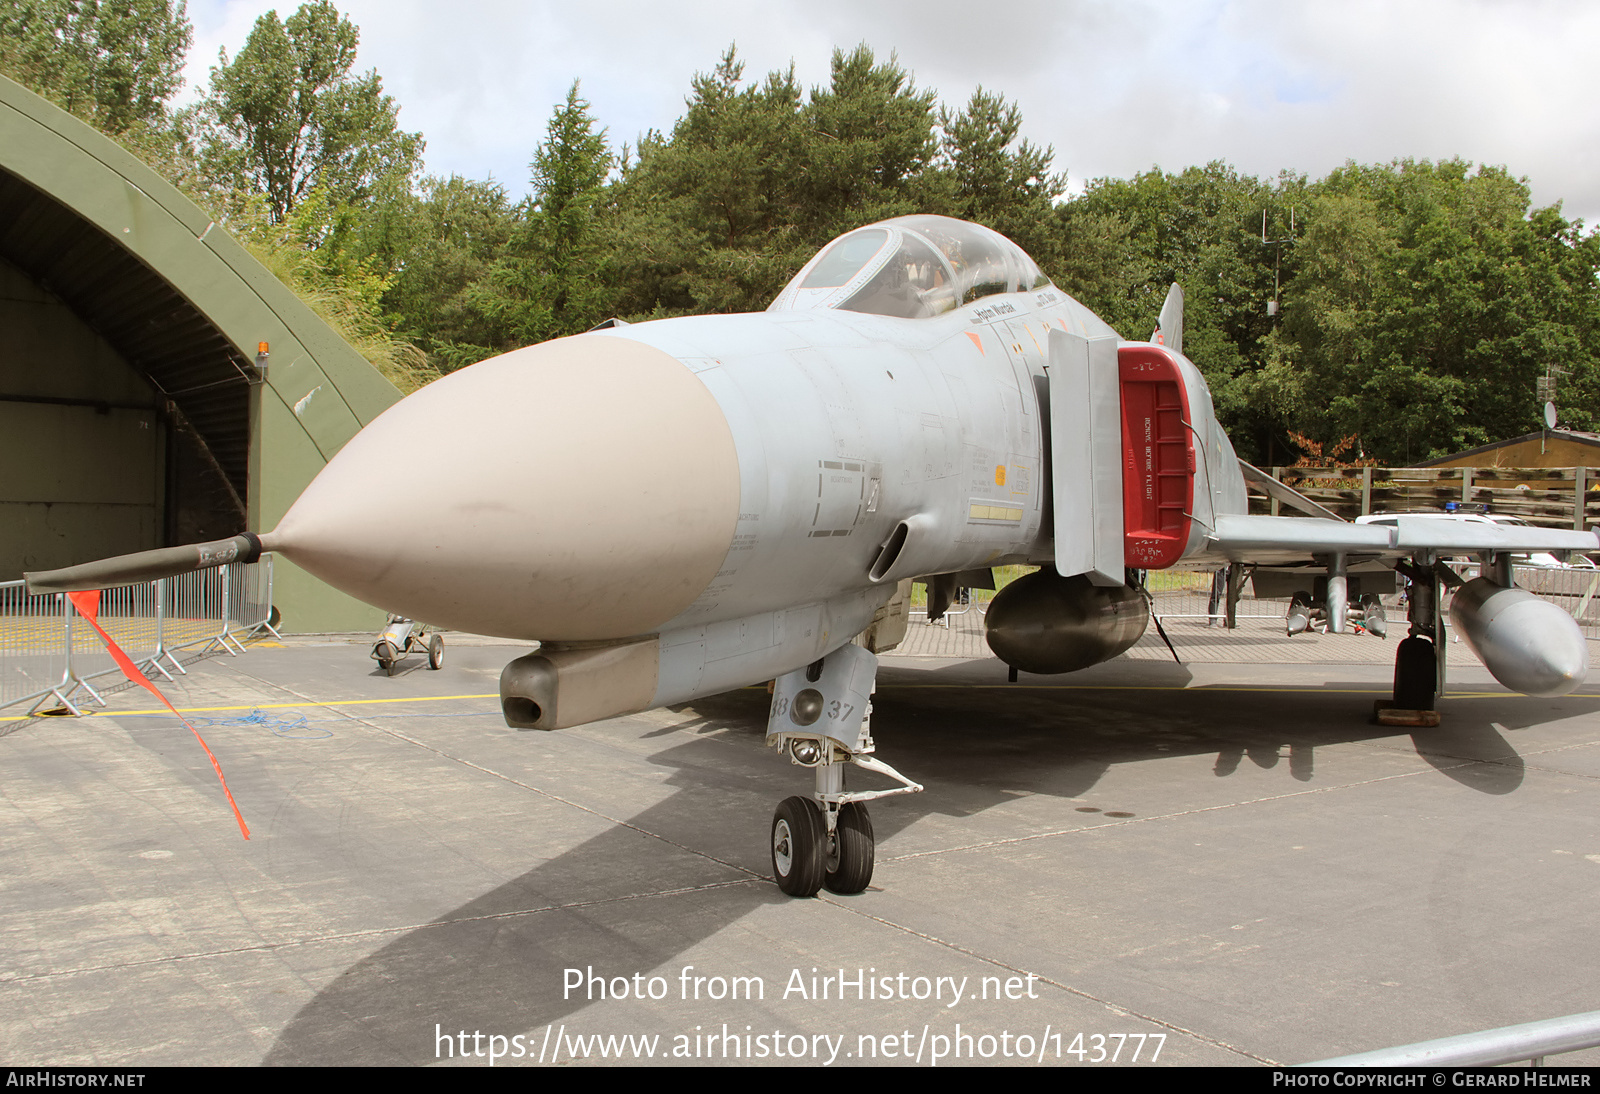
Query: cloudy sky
[[1115, 86]]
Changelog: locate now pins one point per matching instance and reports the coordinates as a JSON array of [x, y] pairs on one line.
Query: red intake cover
[[1157, 457]]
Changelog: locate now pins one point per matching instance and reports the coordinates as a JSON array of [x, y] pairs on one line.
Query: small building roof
[[1546, 448]]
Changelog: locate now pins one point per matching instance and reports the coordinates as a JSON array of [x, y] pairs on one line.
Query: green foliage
[[755, 179], [993, 179], [286, 116], [725, 185], [1203, 229], [306, 163], [346, 294], [523, 275], [868, 148], [548, 283], [114, 63], [1420, 302], [1429, 300], [436, 246]]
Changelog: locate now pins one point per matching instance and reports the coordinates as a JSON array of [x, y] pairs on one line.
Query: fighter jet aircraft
[[681, 507]]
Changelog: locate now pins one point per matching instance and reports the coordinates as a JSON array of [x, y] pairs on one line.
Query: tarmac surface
[[1219, 862]]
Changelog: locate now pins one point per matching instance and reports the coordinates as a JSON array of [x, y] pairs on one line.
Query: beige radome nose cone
[[585, 488]]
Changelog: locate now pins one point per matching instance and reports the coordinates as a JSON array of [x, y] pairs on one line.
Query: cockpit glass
[[912, 267], [980, 258], [845, 259], [911, 284]]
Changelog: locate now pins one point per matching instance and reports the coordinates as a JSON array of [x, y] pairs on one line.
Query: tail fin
[[1169, 328]]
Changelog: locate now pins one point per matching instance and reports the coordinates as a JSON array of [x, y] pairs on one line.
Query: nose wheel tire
[[851, 851], [799, 847]]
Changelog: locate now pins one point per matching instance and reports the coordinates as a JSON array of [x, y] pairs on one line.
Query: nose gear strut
[[820, 719]]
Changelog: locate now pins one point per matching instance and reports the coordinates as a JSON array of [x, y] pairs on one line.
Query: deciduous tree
[[286, 115], [115, 63]]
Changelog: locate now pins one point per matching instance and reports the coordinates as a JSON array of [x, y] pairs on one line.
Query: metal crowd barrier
[[1194, 594], [1178, 594], [35, 644], [976, 598], [1197, 594], [1532, 1041], [1191, 594], [47, 651]]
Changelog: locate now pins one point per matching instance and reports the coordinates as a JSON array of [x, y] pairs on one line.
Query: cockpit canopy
[[911, 267]]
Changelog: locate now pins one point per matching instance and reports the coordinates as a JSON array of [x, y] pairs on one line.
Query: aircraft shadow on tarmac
[[496, 962]]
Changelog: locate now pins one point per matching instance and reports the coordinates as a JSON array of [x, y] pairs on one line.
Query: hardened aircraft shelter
[[136, 410]]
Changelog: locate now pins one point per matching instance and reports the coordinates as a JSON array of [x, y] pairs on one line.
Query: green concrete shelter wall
[[82, 445], [319, 391]]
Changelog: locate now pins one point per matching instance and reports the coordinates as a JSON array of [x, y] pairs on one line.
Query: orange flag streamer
[[88, 605]]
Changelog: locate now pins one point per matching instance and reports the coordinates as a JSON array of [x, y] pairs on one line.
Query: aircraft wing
[[1241, 538], [1421, 534]]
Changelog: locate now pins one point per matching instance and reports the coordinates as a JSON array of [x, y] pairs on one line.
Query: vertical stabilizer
[[1169, 328]]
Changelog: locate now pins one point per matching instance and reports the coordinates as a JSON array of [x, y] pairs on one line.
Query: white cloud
[[1114, 86]]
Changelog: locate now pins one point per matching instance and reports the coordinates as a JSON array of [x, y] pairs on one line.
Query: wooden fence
[[1553, 497]]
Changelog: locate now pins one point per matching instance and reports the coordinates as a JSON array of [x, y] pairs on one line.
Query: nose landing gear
[[851, 850], [799, 838], [820, 718]]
